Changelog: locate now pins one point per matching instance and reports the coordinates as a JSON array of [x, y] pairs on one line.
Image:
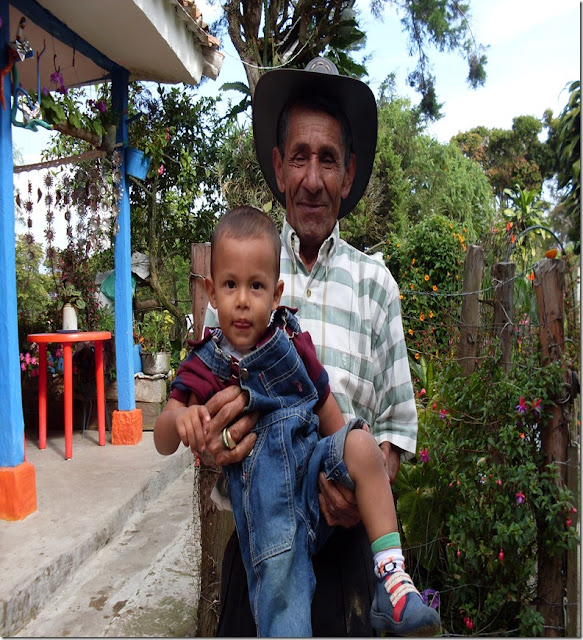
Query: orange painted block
[[126, 427], [17, 491]]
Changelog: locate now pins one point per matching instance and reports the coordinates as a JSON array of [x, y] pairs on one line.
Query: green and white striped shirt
[[350, 304]]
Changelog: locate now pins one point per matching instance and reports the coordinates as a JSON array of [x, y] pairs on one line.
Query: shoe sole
[[380, 624]]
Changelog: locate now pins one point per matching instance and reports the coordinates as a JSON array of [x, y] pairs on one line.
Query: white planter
[[69, 317], [152, 364]]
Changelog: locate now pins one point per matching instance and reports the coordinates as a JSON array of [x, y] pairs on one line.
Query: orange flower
[[417, 356], [410, 332], [512, 238], [431, 314], [531, 276], [426, 277], [508, 226], [434, 287], [412, 261], [421, 317]]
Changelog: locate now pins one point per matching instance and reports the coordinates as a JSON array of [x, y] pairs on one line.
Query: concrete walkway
[[112, 549]]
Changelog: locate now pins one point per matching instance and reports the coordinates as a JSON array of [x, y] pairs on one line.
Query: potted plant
[[71, 301], [154, 332]]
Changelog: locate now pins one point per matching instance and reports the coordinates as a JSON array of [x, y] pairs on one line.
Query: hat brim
[[275, 88]]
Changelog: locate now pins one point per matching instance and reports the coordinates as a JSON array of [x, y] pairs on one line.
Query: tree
[[569, 162], [415, 176], [510, 157], [292, 32]]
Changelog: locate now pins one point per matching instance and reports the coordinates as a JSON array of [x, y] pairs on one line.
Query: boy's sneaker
[[398, 608]]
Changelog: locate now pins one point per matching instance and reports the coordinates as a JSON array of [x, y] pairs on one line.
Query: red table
[[67, 339]]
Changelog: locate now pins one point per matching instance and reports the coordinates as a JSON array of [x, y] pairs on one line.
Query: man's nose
[[313, 178]]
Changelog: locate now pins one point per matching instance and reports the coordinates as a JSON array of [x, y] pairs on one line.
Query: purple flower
[[521, 406], [431, 598], [424, 455], [44, 91], [57, 78], [520, 497], [101, 106], [443, 414]]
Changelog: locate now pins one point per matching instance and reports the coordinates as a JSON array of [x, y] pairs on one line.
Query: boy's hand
[[189, 425]]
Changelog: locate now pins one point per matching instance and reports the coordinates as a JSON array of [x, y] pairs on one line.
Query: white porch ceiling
[[155, 40]]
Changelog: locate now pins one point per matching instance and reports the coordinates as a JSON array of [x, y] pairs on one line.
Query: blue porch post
[[17, 478], [11, 418], [127, 415]]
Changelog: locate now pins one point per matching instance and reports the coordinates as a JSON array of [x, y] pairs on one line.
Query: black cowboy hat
[[275, 88]]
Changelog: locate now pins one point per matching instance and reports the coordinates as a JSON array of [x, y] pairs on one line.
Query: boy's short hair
[[247, 222]]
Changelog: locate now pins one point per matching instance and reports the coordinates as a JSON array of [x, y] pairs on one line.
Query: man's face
[[313, 175]]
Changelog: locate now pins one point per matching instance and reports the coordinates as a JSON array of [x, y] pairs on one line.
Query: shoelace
[[398, 584]]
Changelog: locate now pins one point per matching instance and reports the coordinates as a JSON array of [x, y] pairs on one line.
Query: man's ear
[[277, 295], [278, 166], [349, 176], [210, 291]]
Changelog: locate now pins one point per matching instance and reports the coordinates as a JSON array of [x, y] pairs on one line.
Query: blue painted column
[[124, 340], [11, 417]]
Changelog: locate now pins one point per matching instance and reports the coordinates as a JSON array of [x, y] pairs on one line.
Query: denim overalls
[[274, 490]]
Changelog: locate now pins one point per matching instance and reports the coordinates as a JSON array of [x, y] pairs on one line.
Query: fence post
[[503, 276], [215, 526], [549, 288], [473, 272]]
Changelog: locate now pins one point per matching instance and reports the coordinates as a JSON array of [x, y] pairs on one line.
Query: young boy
[[274, 490]]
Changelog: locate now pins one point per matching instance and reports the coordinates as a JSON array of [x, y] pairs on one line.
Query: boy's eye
[[230, 284], [256, 286]]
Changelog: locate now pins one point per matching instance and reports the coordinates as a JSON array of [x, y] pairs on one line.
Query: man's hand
[[337, 503], [224, 408], [392, 459]]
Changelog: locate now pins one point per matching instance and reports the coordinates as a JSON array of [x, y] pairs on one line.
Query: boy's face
[[243, 288]]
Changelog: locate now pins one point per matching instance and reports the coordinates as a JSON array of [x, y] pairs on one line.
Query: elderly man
[[315, 135]]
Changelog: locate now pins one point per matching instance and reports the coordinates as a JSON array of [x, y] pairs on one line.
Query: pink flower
[[161, 170], [568, 522], [536, 407], [520, 497], [33, 361], [34, 373], [424, 455], [501, 556], [58, 353], [27, 358], [521, 406], [443, 414], [422, 392], [23, 367]]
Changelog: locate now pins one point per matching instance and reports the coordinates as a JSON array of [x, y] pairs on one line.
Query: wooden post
[[215, 526], [551, 584], [503, 276], [473, 272]]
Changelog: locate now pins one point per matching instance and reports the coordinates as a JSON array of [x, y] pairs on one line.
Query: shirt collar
[[291, 242]]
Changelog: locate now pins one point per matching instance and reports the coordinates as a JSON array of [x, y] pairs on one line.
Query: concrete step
[[83, 505], [143, 583]]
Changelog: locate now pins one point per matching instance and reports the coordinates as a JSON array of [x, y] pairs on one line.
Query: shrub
[[479, 500]]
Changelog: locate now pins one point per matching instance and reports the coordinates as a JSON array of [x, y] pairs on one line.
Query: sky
[[533, 55]]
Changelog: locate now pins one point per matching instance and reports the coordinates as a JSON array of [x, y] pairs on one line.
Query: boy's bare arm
[[331, 418]]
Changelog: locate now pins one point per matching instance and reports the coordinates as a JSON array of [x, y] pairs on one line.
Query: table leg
[[42, 396], [99, 386], [68, 379]]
